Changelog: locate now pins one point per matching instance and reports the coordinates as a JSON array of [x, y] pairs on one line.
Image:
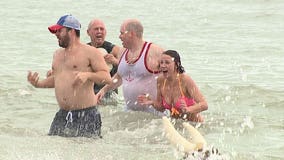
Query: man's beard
[[64, 42]]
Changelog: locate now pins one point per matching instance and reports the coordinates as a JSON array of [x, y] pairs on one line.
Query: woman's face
[[167, 65]]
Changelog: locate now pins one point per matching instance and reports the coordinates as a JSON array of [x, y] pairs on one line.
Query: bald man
[[138, 67], [97, 33]]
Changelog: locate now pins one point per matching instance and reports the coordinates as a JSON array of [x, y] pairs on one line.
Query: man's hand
[[33, 78]]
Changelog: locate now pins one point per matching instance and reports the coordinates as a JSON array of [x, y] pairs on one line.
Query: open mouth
[[164, 71], [99, 36]]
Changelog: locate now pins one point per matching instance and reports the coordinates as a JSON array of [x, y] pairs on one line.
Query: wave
[[245, 94]]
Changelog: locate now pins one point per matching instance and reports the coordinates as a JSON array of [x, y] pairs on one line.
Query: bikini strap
[[179, 84]]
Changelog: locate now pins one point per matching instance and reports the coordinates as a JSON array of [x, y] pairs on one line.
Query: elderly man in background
[[97, 33]]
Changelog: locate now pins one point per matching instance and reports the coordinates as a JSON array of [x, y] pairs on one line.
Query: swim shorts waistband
[[78, 110]]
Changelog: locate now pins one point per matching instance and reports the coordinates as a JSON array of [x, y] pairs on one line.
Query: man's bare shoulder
[[115, 50], [90, 49], [58, 51], [156, 45], [156, 49], [86, 46]]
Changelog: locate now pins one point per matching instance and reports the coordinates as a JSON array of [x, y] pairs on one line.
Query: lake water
[[233, 49]]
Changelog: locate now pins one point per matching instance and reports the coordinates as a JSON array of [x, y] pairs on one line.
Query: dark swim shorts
[[77, 123]]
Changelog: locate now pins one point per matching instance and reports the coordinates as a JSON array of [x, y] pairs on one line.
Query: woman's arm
[[194, 92]]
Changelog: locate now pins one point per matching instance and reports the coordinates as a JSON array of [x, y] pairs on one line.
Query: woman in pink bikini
[[176, 91]]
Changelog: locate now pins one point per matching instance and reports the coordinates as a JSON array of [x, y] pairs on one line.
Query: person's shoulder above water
[[92, 49], [153, 56], [156, 50]]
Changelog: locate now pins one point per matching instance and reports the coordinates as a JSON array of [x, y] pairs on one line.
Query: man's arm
[[114, 56], [33, 78], [101, 72], [115, 83], [154, 56]]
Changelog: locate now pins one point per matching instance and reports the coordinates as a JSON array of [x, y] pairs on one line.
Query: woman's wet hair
[[177, 61]]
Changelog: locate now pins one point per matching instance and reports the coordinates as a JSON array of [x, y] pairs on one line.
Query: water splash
[[247, 123]]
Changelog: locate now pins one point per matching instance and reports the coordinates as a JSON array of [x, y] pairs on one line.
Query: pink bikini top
[[177, 106]]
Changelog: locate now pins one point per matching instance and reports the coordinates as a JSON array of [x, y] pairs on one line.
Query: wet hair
[[76, 31], [177, 61]]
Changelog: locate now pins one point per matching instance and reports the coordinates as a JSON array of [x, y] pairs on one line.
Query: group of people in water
[[153, 79]]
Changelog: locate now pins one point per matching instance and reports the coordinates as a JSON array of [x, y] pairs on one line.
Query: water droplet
[[114, 80]]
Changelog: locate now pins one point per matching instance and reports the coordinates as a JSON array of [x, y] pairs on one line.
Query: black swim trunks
[[77, 123]]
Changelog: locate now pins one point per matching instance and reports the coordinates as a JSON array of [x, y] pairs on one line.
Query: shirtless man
[[138, 67], [97, 33], [75, 69]]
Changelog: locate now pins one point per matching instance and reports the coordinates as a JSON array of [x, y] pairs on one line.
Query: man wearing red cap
[[75, 69]]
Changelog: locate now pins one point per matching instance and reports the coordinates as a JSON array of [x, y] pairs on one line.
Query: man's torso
[[65, 66]]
